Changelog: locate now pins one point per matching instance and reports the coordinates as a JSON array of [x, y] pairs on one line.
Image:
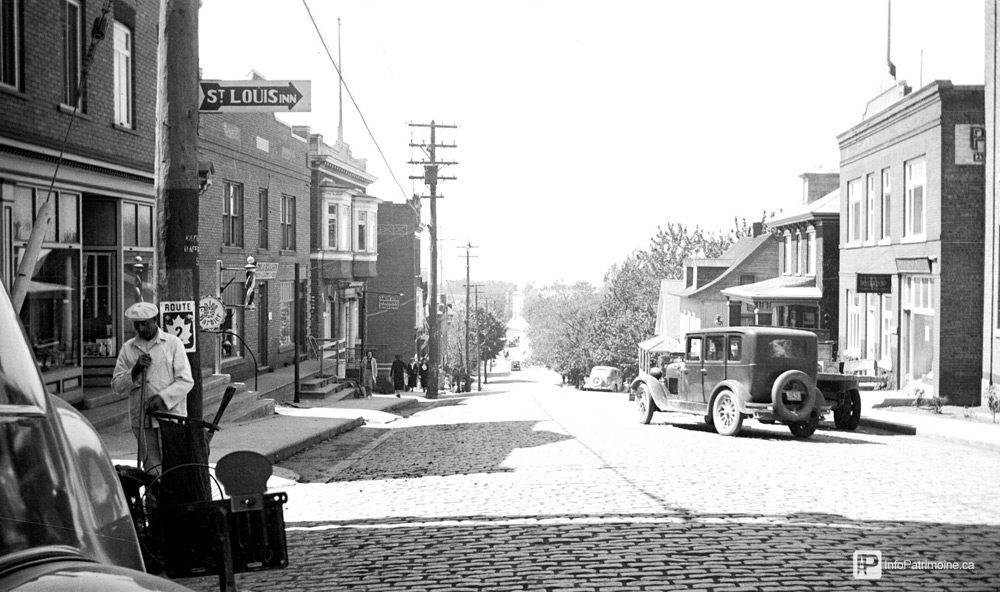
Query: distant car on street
[[604, 378], [515, 366], [732, 373]]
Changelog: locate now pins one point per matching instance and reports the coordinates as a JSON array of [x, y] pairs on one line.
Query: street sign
[[212, 313], [177, 318], [249, 96], [267, 270]]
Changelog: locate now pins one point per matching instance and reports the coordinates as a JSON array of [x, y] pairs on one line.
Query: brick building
[[395, 305], [911, 261], [104, 197], [257, 205], [991, 272]]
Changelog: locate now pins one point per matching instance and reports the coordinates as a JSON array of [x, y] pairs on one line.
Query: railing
[[333, 349]]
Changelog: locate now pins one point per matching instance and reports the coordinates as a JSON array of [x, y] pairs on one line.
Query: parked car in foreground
[[603, 378], [729, 374], [64, 521]]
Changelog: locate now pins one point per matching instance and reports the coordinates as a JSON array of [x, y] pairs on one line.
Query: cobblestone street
[[531, 486]]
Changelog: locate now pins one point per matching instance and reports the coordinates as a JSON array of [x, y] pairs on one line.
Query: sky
[[585, 125]]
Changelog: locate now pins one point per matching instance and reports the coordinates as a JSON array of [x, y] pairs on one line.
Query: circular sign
[[212, 312]]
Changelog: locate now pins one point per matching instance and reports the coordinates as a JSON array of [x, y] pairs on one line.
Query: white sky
[[586, 124]]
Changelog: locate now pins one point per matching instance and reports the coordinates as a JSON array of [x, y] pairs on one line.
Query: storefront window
[[51, 309], [137, 276], [285, 308], [98, 305]]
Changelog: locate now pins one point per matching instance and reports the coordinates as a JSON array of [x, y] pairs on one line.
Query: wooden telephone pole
[[431, 178]]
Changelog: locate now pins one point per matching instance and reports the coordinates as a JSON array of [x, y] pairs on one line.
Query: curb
[[889, 426], [294, 448]]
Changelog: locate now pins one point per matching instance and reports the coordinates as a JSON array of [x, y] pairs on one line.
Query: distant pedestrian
[[369, 371], [411, 374], [422, 372], [398, 374]]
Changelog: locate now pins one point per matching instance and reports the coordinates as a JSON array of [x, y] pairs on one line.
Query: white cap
[[140, 311]]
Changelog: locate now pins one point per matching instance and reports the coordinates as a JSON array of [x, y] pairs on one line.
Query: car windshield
[[601, 371], [20, 386]]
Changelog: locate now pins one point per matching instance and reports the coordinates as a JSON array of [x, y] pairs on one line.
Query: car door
[[691, 383], [714, 366]]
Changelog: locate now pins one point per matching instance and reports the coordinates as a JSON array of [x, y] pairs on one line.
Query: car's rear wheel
[[848, 415], [803, 429], [644, 404], [726, 416]]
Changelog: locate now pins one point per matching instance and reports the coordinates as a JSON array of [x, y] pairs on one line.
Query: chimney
[[817, 184], [758, 229]]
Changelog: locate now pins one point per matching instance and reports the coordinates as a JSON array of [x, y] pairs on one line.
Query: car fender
[[655, 386], [740, 393]]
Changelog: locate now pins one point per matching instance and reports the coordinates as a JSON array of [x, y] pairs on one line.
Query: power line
[[355, 103]]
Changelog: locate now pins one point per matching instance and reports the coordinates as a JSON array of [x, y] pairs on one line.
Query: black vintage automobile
[[729, 374], [64, 520]]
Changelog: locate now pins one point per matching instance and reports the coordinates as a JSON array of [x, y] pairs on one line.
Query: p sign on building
[[177, 318]]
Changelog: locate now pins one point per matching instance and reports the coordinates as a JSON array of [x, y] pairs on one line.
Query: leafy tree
[[627, 314], [561, 323]]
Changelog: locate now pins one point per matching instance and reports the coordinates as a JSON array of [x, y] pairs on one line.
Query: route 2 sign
[[177, 318]]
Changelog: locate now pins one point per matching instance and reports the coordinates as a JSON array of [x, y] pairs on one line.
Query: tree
[[561, 322], [626, 316], [671, 246]]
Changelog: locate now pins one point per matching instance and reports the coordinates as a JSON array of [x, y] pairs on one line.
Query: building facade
[[804, 293], [344, 246], [395, 297], [911, 261], [97, 256], [991, 270], [257, 205]]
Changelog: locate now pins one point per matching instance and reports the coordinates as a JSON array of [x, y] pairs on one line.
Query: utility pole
[[431, 178], [468, 304], [479, 331], [177, 182]]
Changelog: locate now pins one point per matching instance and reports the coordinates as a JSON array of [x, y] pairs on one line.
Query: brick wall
[[278, 163], [34, 115]]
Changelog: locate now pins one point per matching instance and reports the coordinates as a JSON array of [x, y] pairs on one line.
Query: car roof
[[754, 330]]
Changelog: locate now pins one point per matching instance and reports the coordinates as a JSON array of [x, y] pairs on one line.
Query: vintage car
[[729, 374], [515, 366], [603, 378], [64, 519]]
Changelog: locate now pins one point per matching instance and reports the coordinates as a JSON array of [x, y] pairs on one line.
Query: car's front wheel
[[726, 414], [644, 404], [803, 429]]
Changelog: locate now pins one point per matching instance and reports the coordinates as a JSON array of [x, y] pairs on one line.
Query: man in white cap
[[153, 370]]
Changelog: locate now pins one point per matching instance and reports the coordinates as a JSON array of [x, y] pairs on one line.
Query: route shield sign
[[177, 318], [248, 96]]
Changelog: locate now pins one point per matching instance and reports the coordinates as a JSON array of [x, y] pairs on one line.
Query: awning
[[781, 289], [661, 344]]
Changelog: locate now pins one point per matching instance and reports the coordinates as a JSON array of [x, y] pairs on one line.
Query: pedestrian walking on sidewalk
[[369, 371], [154, 372], [411, 374], [398, 374], [422, 372]]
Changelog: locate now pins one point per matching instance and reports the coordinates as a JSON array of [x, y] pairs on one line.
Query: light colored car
[[604, 378], [515, 366]]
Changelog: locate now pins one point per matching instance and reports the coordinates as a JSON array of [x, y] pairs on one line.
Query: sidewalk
[[951, 424], [293, 428]]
